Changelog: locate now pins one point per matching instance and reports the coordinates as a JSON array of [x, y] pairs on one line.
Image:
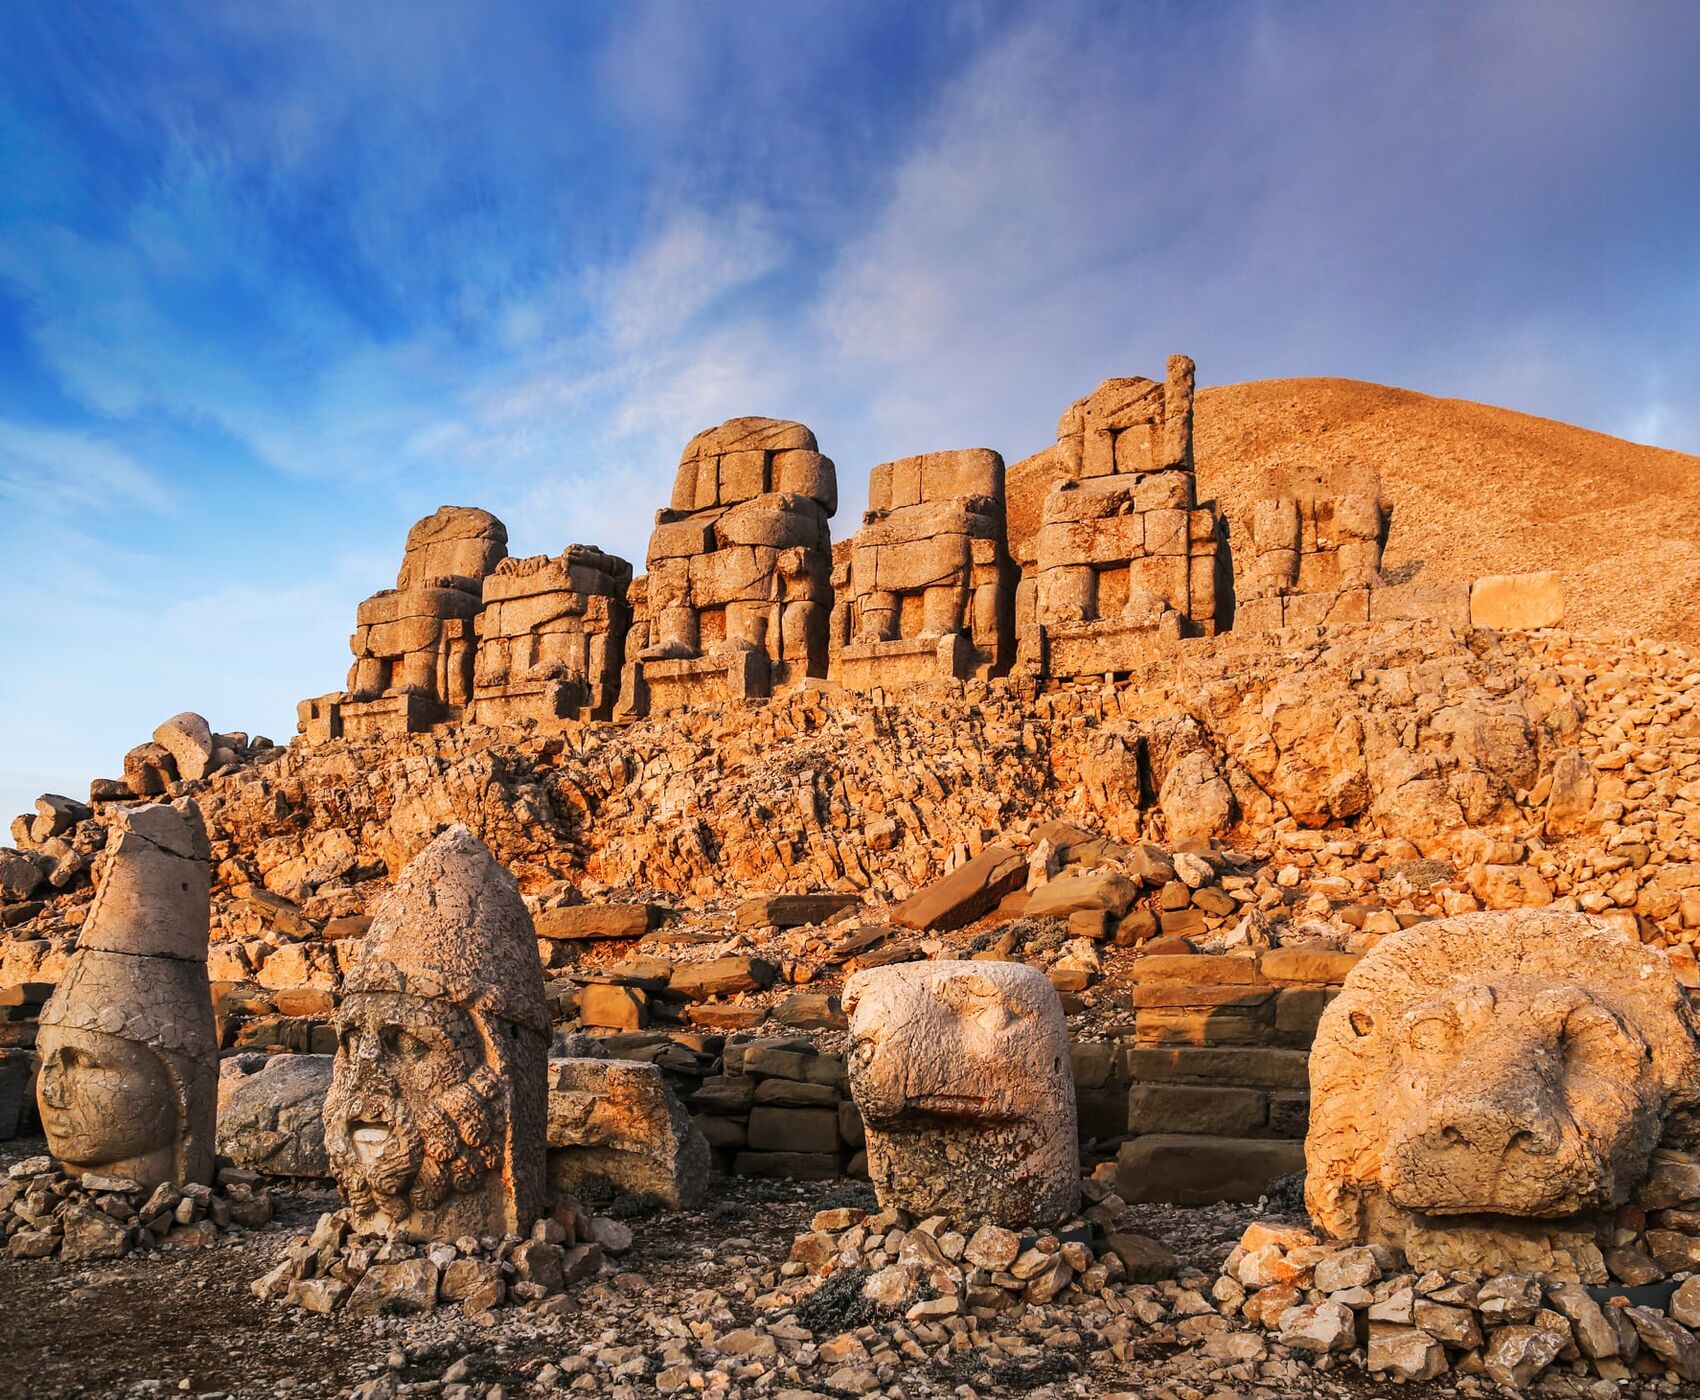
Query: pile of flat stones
[[47, 1214], [1320, 1299], [337, 1269]]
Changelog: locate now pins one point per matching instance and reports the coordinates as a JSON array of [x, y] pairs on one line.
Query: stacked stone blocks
[[927, 591], [739, 591], [1125, 555], [551, 637]]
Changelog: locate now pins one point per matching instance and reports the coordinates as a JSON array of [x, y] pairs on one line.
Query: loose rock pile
[[1323, 1299], [382, 1273], [47, 1214]]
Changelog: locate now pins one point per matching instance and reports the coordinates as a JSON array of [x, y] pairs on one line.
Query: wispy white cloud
[[58, 471]]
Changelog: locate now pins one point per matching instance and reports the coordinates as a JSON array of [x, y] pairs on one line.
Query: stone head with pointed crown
[[435, 1120], [128, 1051]]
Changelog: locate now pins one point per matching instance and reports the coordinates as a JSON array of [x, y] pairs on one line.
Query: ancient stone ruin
[[551, 638], [1125, 555], [739, 591], [928, 590], [128, 1080], [435, 1121], [961, 1074], [1488, 1089], [900, 966]]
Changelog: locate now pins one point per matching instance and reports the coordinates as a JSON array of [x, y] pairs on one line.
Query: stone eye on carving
[[1433, 1033], [1361, 1022], [1593, 1032]]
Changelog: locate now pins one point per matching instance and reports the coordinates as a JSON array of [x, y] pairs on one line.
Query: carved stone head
[[961, 1072], [435, 1120], [1519, 1065], [127, 1047]]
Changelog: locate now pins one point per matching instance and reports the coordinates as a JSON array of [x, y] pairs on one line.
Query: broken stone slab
[[969, 892], [617, 1121], [19, 876], [793, 910], [590, 921], [721, 977], [273, 1120], [1098, 890], [56, 814]]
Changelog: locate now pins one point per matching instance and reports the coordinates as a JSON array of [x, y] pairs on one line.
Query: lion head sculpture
[[1520, 1065]]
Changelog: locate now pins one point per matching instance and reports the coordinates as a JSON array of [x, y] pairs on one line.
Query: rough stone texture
[[1312, 556], [738, 596], [128, 1056], [616, 1121], [551, 637], [435, 1120], [414, 645], [273, 1119], [1488, 1070], [927, 590], [961, 1073], [1125, 559], [1518, 601], [189, 740]]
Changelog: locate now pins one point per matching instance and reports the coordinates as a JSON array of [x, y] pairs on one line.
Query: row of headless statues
[[744, 592], [1512, 1073]]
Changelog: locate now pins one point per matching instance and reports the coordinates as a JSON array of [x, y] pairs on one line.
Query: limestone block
[[1166, 532], [681, 539], [774, 522], [751, 434], [1136, 449], [188, 739], [435, 1120], [961, 1073], [1513, 1067], [805, 472], [742, 476], [420, 604], [273, 1120], [127, 1047], [456, 542], [1517, 602], [616, 1121], [739, 574], [1069, 501], [1112, 540]]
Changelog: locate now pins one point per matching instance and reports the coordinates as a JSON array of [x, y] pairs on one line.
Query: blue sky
[[276, 280]]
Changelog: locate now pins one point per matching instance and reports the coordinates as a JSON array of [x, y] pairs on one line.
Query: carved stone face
[[106, 1103], [961, 1073], [1486, 1088], [1518, 1099], [415, 1107]]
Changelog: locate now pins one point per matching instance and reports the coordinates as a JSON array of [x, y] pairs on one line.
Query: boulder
[[273, 1120], [189, 740], [617, 1121]]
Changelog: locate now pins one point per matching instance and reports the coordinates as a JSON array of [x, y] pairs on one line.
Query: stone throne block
[[551, 638], [738, 596], [414, 644], [928, 587], [1126, 558]]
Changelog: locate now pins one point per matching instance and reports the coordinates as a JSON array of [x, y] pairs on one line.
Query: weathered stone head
[[1519, 1065], [128, 1084], [961, 1072], [435, 1121]]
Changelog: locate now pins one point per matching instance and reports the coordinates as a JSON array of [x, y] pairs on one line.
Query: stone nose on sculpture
[[1495, 1127]]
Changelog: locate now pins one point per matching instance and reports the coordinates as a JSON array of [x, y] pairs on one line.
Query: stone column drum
[[961, 1072], [128, 1084], [436, 1117]]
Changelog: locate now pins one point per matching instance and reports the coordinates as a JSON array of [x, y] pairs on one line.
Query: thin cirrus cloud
[[276, 281]]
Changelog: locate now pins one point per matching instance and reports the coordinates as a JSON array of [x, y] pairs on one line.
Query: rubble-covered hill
[[1475, 490]]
